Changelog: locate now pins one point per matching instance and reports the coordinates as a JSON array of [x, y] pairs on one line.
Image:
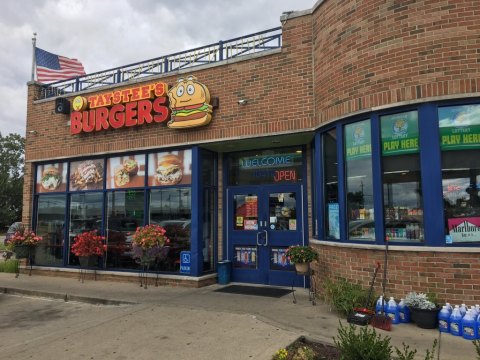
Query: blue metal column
[[196, 231], [318, 188], [377, 179], [342, 196], [431, 166]]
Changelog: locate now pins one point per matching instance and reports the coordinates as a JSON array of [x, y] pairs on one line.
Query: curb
[[65, 297]]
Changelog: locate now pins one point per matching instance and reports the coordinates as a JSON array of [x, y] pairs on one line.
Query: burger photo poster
[[170, 168], [86, 175], [125, 172], [51, 177]]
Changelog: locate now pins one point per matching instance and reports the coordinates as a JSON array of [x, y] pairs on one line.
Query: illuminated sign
[[189, 102], [121, 108]]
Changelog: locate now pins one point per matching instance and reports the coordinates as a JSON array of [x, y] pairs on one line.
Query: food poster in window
[[279, 259], [333, 220], [170, 168], [86, 175], [51, 178], [459, 127], [400, 133], [245, 257], [126, 172]]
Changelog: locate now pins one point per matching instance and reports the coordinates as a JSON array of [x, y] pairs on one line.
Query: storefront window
[[125, 212], [172, 209], [281, 166], [402, 195], [330, 186], [85, 215], [51, 227], [358, 166], [460, 143]]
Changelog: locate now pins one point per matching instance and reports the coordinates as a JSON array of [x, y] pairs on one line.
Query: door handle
[[266, 238], [258, 238]]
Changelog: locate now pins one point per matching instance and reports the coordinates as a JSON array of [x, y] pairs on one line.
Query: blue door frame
[[256, 246]]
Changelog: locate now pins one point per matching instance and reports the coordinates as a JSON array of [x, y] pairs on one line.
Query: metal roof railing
[[223, 50]]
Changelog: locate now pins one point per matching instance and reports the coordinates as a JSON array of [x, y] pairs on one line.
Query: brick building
[[363, 124]]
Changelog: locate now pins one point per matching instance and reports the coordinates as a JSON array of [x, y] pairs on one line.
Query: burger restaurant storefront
[[242, 157]]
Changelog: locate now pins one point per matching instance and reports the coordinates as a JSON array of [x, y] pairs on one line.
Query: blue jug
[[403, 312], [444, 320], [456, 322], [469, 326], [392, 311]]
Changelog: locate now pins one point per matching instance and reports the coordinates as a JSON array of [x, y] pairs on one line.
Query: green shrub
[[9, 266], [476, 343], [362, 344], [343, 296]]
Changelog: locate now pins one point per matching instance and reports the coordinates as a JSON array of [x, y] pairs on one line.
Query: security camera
[[242, 102]]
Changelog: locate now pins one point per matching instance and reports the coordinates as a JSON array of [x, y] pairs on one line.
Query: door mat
[[254, 290]]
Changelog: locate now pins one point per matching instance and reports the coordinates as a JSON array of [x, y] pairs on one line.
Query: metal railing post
[[220, 50]]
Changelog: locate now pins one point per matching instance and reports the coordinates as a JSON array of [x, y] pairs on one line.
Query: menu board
[[170, 168], [251, 206], [51, 177], [86, 175], [125, 172]]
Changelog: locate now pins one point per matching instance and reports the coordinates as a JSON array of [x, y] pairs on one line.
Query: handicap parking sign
[[185, 261]]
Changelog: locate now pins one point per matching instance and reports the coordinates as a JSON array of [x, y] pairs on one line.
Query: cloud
[[111, 33]]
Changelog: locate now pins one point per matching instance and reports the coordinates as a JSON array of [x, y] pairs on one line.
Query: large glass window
[[330, 186], [172, 209], [359, 185], [85, 215], [51, 227], [125, 212], [402, 195], [460, 143]]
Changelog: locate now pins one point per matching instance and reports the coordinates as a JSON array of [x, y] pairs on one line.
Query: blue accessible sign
[[185, 262]]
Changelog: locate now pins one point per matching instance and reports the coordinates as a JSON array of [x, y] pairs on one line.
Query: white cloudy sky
[[110, 33]]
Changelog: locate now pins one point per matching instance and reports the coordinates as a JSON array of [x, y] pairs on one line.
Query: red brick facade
[[343, 58]]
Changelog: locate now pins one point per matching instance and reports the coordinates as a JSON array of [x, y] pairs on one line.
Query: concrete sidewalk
[[283, 320]]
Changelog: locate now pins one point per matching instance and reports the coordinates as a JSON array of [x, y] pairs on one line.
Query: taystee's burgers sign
[[189, 106]]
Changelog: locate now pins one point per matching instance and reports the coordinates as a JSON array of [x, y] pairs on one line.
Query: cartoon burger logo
[[190, 104]]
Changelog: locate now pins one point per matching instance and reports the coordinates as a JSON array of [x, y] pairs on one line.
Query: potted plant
[[423, 309], [148, 243], [301, 256], [23, 242], [88, 246]]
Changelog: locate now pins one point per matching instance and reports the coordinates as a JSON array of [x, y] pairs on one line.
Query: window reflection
[[332, 222], [402, 195], [171, 209], [51, 227], [360, 213], [125, 212], [85, 215]]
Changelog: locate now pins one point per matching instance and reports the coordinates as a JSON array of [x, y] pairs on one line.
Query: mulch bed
[[321, 351]]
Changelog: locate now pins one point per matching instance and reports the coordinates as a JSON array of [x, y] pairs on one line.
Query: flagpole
[[34, 43]]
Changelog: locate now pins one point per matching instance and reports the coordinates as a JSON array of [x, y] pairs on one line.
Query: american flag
[[51, 67]]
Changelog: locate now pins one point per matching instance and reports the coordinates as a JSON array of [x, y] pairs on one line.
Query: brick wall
[[454, 277], [375, 53]]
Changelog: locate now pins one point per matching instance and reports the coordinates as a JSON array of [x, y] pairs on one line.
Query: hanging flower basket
[[88, 261], [302, 268], [23, 251]]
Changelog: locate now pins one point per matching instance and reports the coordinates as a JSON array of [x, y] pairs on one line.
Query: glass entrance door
[[263, 221]]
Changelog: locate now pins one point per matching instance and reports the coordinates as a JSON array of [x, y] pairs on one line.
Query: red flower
[[88, 244]]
